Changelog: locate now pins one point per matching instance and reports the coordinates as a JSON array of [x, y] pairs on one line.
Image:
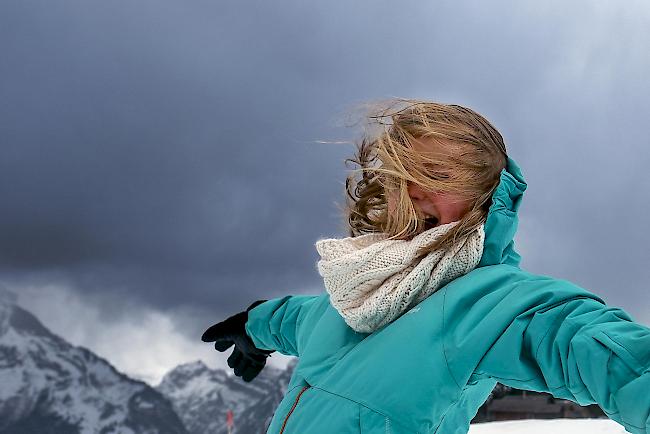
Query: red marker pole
[[229, 421]]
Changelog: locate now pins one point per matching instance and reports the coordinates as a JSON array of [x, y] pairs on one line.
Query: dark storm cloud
[[156, 138], [167, 150]]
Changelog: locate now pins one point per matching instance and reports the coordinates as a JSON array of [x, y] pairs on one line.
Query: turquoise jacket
[[432, 368]]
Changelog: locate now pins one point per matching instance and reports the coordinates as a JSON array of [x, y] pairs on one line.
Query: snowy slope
[[51, 386], [550, 426]]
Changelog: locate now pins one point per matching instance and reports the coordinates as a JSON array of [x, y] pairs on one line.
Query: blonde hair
[[467, 157]]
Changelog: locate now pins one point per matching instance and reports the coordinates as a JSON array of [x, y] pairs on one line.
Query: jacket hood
[[502, 220]]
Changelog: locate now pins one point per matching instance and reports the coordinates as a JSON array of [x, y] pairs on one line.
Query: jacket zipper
[[293, 407]]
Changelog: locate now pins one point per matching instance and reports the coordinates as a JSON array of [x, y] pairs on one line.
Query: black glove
[[246, 359]]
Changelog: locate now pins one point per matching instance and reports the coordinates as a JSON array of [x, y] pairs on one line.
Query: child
[[426, 307]]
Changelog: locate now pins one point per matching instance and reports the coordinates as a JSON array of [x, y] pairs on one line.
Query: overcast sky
[[162, 167]]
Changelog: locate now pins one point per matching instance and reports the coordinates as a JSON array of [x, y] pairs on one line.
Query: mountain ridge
[[53, 387]]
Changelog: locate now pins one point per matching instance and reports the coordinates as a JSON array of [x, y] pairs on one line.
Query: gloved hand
[[246, 359]]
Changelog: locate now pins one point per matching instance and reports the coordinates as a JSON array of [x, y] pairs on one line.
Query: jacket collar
[[502, 220]]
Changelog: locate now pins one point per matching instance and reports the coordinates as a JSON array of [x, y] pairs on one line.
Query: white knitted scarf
[[372, 281]]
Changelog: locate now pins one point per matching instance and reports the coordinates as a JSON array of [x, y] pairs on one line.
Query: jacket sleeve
[[550, 335], [275, 324]]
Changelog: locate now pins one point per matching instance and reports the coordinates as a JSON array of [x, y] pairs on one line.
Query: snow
[[549, 426], [70, 382]]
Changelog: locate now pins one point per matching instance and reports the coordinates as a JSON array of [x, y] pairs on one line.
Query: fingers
[[251, 367], [213, 332], [246, 366], [223, 344], [246, 360], [251, 372], [235, 359], [217, 334], [229, 327]]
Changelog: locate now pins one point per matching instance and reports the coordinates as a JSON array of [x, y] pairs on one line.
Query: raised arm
[[550, 335]]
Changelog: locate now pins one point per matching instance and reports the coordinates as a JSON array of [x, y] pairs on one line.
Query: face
[[445, 207]]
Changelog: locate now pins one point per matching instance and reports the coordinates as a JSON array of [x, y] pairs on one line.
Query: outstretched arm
[[275, 324], [550, 335]]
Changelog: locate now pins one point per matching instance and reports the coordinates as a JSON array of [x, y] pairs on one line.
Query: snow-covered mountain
[[202, 397], [257, 417], [48, 386]]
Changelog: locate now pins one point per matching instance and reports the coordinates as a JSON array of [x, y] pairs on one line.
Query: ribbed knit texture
[[372, 281]]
